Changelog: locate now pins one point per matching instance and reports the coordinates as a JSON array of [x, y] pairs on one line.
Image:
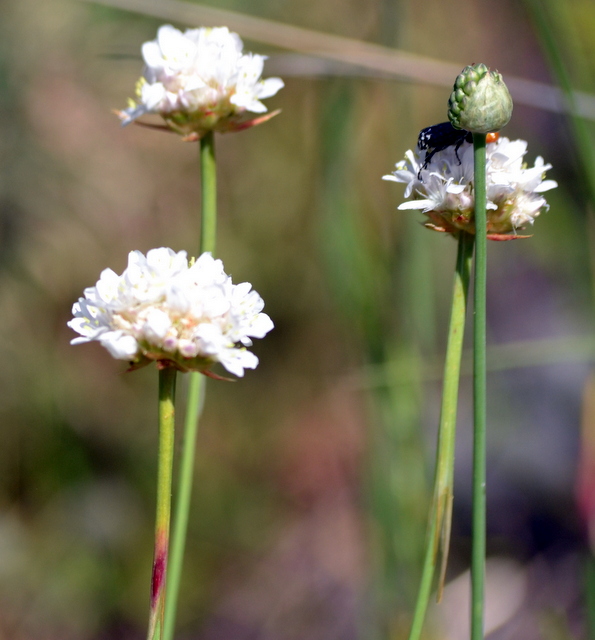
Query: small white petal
[[120, 345], [455, 188], [416, 204], [188, 348], [269, 87], [260, 326], [235, 361], [157, 325], [152, 96], [546, 185]]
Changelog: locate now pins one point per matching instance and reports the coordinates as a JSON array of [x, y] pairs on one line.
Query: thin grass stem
[[441, 512], [208, 178], [479, 393], [167, 388]]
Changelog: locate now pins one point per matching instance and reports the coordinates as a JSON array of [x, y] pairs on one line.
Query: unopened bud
[[480, 101]]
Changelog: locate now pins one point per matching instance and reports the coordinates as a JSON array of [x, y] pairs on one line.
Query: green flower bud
[[480, 101]]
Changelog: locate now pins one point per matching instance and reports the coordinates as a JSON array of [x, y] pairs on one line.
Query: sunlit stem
[[167, 387], [479, 393], [441, 512], [196, 389], [208, 178]]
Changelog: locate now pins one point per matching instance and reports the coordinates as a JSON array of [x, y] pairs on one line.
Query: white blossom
[[163, 308], [443, 187], [199, 80]]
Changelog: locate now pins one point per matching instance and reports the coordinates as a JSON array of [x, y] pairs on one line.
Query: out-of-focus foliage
[[311, 485]]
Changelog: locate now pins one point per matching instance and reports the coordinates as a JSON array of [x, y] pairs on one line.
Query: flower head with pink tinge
[[162, 308]]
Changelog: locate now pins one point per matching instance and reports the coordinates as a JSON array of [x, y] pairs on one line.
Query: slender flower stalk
[[196, 388], [479, 393], [167, 387], [441, 513], [208, 179], [480, 103], [196, 391]]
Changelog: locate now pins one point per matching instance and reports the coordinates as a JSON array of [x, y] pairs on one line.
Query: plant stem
[[427, 574], [208, 178], [196, 389], [448, 412], [167, 388], [183, 499], [479, 393], [439, 528]]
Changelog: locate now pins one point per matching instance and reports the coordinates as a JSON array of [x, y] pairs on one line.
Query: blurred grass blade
[[549, 39], [365, 55], [502, 357]]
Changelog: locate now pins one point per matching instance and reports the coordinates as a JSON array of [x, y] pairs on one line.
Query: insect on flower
[[441, 136], [443, 188]]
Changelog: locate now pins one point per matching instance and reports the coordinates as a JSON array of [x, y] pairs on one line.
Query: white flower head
[[162, 308], [442, 187], [200, 80]]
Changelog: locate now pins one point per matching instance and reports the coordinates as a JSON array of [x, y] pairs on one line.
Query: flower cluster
[[199, 80], [443, 187], [162, 308]]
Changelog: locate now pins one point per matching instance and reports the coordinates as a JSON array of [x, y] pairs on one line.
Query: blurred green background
[[313, 472]]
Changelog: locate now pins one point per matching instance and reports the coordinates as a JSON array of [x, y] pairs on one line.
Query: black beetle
[[439, 137]]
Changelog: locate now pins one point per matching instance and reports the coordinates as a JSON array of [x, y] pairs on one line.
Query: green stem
[[208, 178], [425, 587], [167, 388], [479, 393], [439, 528], [196, 389]]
